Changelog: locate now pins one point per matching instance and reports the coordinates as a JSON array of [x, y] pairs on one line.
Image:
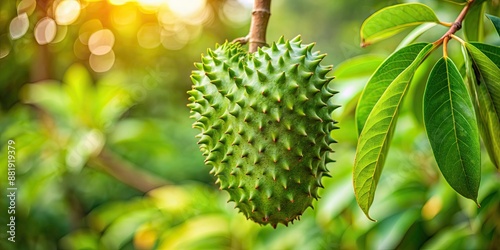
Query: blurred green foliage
[[106, 157]]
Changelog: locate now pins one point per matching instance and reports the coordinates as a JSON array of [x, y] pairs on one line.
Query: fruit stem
[[445, 46], [260, 18], [258, 26]]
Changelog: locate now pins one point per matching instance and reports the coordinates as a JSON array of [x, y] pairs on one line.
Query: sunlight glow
[[235, 13], [67, 12], [247, 3], [186, 8], [124, 15], [118, 2], [45, 30], [151, 3]]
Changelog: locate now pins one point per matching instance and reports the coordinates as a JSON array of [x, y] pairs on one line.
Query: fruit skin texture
[[265, 121]]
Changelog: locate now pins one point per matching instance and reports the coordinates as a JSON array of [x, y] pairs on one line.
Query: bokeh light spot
[[4, 46], [175, 38], [235, 13], [102, 63], [19, 26], [45, 30], [101, 42], [149, 36], [166, 17], [62, 31], [87, 29], [26, 6], [67, 12]]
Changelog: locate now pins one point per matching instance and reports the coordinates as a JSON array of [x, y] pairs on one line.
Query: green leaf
[[486, 85], [360, 66], [473, 23], [416, 94], [78, 84], [415, 33], [496, 22], [456, 1], [452, 129], [488, 71], [451, 237], [393, 19], [492, 52], [387, 72], [373, 143]]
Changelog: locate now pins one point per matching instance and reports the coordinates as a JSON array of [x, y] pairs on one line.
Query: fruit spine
[[265, 121]]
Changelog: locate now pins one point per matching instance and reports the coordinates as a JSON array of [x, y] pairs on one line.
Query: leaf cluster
[[460, 104]]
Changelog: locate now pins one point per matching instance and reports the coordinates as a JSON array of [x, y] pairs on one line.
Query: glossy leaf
[[452, 129], [387, 72], [496, 22], [393, 19], [488, 114], [488, 71], [490, 51], [375, 137], [473, 24]]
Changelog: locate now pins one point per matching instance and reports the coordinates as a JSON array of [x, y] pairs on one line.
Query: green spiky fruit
[[265, 122]]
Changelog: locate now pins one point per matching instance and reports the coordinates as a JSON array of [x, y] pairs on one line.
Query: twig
[[455, 26], [126, 173], [260, 18]]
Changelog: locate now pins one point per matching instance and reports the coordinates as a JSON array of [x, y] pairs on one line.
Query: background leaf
[[359, 66], [473, 23], [61, 209], [485, 108], [496, 22], [414, 34], [390, 69], [376, 135], [391, 20], [452, 129], [456, 1]]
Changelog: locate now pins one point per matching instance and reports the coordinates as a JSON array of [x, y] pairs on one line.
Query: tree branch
[[457, 25], [125, 172], [260, 18]]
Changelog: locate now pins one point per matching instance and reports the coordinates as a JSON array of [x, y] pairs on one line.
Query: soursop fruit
[[265, 121]]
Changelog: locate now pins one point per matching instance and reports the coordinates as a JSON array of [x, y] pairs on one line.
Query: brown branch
[[260, 18], [125, 172], [457, 25]]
